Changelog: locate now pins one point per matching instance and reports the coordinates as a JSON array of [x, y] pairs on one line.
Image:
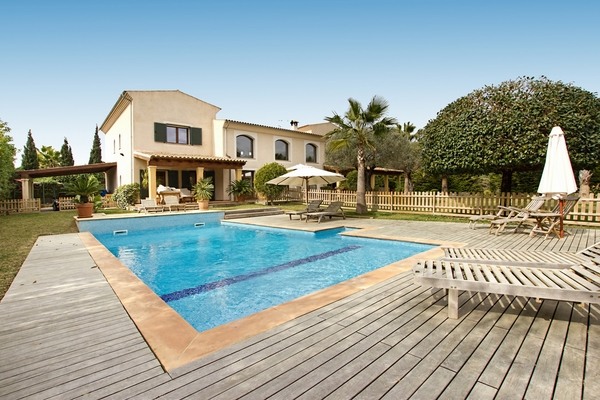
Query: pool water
[[216, 273]]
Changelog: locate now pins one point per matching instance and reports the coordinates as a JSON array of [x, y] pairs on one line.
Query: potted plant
[[240, 189], [203, 191], [84, 187]]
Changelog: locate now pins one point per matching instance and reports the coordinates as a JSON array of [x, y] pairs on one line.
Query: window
[[311, 153], [177, 134], [281, 150], [244, 146]]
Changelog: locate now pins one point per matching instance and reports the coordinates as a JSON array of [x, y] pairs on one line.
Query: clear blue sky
[[64, 63]]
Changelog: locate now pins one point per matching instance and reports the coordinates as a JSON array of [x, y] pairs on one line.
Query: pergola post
[[26, 188], [152, 181], [199, 173]]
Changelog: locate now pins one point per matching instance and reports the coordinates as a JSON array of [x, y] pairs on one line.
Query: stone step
[[252, 212]]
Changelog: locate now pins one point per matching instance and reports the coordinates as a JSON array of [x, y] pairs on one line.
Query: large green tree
[[29, 159], [504, 129], [66, 155], [7, 158], [96, 152], [359, 129]]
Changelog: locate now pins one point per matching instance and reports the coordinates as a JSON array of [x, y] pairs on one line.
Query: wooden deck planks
[[393, 340]]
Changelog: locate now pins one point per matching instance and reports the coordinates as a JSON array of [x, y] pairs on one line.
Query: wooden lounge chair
[[172, 203], [149, 205], [549, 222], [186, 196], [333, 210], [503, 212], [313, 206], [473, 220], [514, 257], [579, 282], [516, 215]]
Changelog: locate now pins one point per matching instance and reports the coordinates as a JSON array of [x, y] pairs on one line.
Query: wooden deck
[[64, 334]]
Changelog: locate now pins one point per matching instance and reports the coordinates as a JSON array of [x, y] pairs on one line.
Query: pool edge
[[176, 343]]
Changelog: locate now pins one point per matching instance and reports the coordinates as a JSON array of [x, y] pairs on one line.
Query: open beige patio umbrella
[[305, 175], [558, 179]]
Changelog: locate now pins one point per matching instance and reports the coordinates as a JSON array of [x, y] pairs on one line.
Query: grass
[[18, 232]]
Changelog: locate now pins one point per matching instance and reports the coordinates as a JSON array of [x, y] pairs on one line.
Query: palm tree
[[358, 129], [410, 159], [48, 157], [407, 129]]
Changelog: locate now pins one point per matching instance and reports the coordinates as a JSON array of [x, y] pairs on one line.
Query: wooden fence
[[68, 203], [586, 211], [20, 206], [34, 205]]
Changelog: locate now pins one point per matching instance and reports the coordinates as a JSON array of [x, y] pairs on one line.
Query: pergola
[[26, 176], [181, 161]]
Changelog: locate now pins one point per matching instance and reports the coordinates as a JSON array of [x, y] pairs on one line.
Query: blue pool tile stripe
[[180, 294]]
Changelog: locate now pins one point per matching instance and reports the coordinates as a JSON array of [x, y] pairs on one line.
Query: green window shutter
[[196, 136], [160, 132]]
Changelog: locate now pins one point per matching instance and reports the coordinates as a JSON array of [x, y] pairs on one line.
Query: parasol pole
[[306, 180], [561, 205]]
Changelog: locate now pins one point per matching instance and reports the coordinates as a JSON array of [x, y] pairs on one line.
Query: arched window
[[311, 153], [281, 150], [244, 146]]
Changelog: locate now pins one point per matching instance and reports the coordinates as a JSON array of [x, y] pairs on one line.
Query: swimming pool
[[214, 273]]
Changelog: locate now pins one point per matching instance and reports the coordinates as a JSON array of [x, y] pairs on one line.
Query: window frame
[[287, 150], [178, 134], [251, 140], [316, 151]]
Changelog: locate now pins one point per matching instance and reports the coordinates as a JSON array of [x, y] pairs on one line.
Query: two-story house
[[171, 138]]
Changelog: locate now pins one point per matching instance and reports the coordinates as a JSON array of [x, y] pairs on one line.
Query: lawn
[[18, 233]]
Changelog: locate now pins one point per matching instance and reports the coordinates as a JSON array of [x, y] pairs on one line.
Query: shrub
[[265, 174], [127, 195]]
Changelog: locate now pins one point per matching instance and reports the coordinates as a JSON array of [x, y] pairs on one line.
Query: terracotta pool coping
[[176, 343]]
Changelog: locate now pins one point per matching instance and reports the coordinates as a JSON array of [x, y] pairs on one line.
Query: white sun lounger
[[577, 283]]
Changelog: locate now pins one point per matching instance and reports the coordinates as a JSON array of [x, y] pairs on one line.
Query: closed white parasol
[[558, 179]]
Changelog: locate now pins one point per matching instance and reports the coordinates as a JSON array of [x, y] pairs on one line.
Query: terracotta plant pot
[[203, 204], [85, 210]]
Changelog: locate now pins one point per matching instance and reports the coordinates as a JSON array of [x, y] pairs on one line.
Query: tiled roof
[[186, 157], [273, 127]]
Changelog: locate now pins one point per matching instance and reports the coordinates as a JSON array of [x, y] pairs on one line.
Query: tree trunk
[[408, 185], [444, 184], [506, 185], [361, 201], [585, 177]]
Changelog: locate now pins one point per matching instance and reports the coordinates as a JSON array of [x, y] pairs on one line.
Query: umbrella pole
[[561, 203], [306, 180]]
